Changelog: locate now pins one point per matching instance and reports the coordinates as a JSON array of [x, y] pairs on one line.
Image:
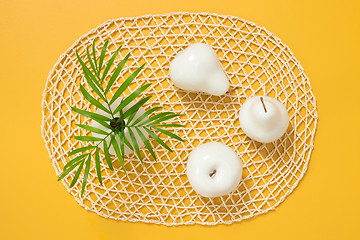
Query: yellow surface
[[325, 37]]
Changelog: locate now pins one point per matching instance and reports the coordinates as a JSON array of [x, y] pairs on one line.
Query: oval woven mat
[[254, 59]]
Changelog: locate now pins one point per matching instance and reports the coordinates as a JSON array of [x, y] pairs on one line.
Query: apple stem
[[262, 101], [213, 173]]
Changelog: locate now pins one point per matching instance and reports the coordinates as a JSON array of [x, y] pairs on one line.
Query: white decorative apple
[[214, 169], [263, 118], [113, 107], [197, 68]]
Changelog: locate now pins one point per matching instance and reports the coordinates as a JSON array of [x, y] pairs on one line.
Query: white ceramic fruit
[[214, 169], [197, 68], [263, 119]]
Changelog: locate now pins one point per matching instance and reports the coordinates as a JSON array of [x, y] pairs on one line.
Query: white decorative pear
[[197, 68]]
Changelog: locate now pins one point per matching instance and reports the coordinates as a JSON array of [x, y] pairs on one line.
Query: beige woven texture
[[254, 59]]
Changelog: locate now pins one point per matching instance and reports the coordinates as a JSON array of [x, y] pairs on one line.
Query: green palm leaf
[[75, 160], [170, 134], [68, 170], [92, 100], [107, 156], [153, 118], [90, 78], [136, 107], [91, 62], [77, 174], [94, 54], [146, 142], [156, 138], [117, 151], [108, 66], [82, 149], [88, 138], [122, 141], [131, 97], [97, 164], [130, 118], [86, 174], [91, 115], [125, 84], [92, 129], [97, 117], [102, 56], [127, 143], [147, 113], [116, 73], [162, 119], [135, 144]]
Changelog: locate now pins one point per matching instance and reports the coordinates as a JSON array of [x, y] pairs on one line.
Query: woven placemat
[[254, 59]]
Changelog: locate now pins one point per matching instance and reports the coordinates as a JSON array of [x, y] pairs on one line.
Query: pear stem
[[232, 90], [262, 101]]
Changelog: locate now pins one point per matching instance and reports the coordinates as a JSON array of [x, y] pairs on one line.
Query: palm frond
[[95, 77]]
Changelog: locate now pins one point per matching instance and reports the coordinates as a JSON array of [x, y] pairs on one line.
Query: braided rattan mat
[[254, 59]]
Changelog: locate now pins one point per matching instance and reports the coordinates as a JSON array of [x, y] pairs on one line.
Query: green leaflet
[[108, 66], [92, 129], [102, 56], [131, 97], [122, 145], [91, 62], [107, 156], [146, 142], [116, 73], [147, 113], [117, 151], [156, 138], [82, 149], [136, 107], [88, 138], [125, 85], [162, 119], [77, 174], [169, 134], [135, 144], [156, 117], [86, 174], [94, 54], [67, 171], [97, 164], [91, 79], [93, 101], [97, 117], [75, 160]]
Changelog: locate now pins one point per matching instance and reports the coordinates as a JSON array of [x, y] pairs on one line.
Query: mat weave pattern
[[256, 62]]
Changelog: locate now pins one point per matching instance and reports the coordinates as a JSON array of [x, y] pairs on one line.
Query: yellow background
[[324, 36]]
